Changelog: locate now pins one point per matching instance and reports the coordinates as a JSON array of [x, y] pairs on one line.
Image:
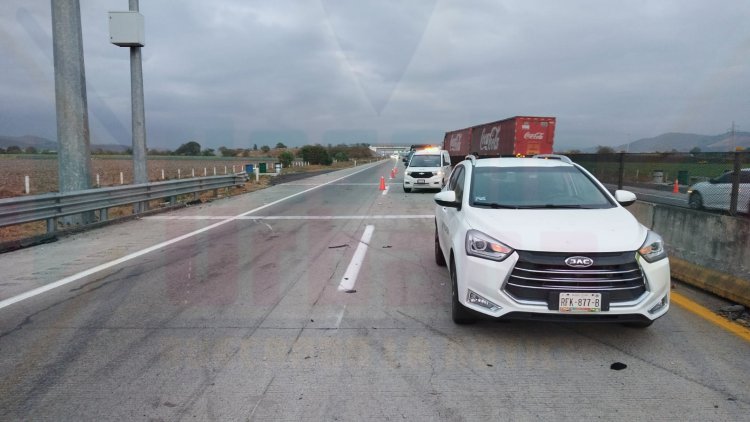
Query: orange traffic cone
[[393, 174], [676, 188], [382, 183]]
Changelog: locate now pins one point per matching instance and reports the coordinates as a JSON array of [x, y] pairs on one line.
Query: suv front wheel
[[439, 257], [695, 201], [459, 313]]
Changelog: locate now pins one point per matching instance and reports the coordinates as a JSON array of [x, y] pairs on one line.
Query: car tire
[[639, 324], [439, 257], [459, 313], [695, 201], [407, 190]]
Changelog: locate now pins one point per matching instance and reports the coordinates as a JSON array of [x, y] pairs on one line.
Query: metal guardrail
[[52, 206]]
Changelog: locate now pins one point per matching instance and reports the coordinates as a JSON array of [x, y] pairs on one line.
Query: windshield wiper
[[552, 206], [495, 205]]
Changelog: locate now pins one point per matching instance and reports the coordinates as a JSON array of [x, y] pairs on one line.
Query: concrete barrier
[[709, 251]]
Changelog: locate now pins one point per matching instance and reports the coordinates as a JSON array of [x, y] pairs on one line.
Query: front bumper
[[487, 278], [434, 182]]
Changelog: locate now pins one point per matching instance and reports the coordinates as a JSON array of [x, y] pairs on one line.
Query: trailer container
[[515, 136]]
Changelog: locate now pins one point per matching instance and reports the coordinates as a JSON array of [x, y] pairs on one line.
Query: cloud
[[231, 72]]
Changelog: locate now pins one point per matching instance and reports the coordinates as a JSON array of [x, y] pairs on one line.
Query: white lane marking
[[337, 184], [352, 271], [340, 317], [294, 217], [47, 287]]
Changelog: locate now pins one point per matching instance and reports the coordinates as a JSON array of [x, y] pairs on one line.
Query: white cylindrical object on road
[[26, 184], [97, 180], [122, 179], [162, 174]]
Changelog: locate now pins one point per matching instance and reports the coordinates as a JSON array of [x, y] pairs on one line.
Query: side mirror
[[447, 198], [625, 198]]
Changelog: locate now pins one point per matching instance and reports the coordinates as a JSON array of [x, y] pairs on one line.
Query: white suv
[[534, 238], [427, 169]]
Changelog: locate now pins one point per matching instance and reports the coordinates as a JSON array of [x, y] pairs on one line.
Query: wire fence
[[716, 181]]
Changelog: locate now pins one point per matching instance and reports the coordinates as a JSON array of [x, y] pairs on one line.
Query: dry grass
[[43, 173]]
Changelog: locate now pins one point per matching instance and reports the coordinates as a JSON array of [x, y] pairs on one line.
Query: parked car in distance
[[427, 169], [716, 193], [531, 238]]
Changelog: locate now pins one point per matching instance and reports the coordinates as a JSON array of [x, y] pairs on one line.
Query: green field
[[640, 169]]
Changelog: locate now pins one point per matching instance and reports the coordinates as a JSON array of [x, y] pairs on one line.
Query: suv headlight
[[653, 248], [480, 245]]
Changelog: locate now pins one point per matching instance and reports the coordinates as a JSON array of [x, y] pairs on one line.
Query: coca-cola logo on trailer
[[490, 141], [538, 135], [455, 142]]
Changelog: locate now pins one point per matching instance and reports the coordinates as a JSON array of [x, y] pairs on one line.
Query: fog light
[[662, 303], [477, 299]]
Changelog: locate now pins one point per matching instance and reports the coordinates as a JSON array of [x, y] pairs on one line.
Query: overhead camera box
[[126, 29]]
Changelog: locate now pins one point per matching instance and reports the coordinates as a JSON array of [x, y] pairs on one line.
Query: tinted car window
[[425, 161], [459, 187], [724, 178], [454, 176]]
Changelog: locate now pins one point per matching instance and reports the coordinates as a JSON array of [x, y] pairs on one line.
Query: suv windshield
[[534, 187], [425, 161]]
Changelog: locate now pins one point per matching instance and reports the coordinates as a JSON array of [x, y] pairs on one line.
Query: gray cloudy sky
[[239, 72]]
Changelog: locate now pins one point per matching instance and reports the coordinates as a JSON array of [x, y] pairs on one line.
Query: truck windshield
[[425, 161], [535, 187]]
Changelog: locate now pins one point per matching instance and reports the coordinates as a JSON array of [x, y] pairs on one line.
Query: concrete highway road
[[320, 300], [655, 196]]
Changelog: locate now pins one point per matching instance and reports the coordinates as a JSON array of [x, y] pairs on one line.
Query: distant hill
[[684, 142], [43, 143], [28, 141]]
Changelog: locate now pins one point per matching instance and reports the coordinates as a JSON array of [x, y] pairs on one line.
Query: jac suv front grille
[[541, 276]]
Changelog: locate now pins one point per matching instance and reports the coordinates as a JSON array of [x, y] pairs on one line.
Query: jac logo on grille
[[579, 262]]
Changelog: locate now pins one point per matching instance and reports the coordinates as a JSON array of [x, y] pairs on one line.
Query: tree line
[[313, 154], [15, 149]]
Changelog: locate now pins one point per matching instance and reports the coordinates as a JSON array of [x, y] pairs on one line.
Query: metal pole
[[74, 159], [621, 175], [140, 171], [733, 197]]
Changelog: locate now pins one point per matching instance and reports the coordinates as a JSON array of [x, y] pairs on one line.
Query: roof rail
[[472, 158], [562, 158]]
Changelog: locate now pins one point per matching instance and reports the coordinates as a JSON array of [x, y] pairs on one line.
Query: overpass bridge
[[389, 149]]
